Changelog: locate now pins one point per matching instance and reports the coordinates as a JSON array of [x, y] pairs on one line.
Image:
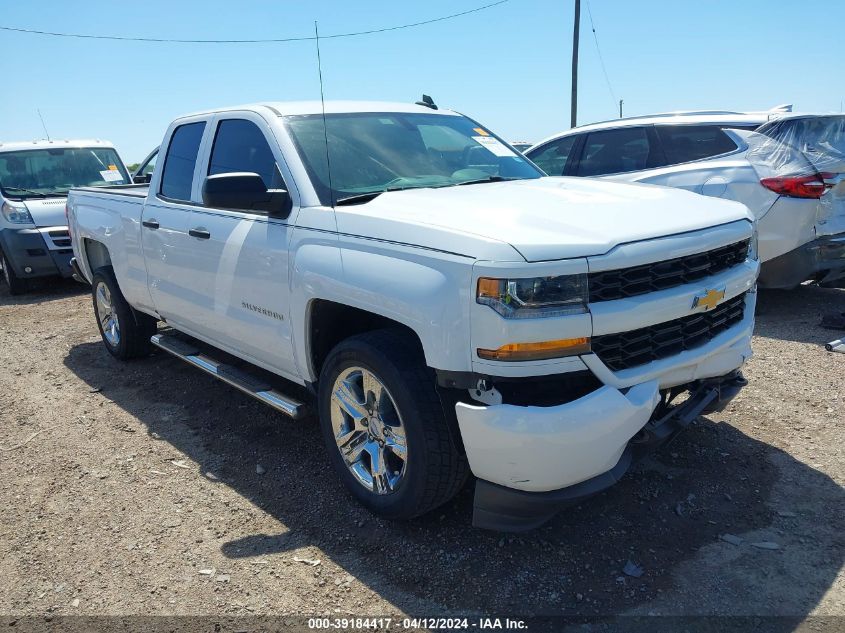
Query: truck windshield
[[370, 153], [38, 173]]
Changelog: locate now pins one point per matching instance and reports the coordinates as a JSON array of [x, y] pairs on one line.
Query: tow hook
[[727, 389], [485, 392]]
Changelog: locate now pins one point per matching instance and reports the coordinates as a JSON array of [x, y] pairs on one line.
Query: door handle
[[150, 224], [200, 233]]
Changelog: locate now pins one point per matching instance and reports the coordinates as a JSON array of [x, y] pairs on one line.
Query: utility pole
[[575, 37], [621, 101]]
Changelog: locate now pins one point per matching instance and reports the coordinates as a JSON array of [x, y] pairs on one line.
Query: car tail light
[[808, 186], [67, 219]]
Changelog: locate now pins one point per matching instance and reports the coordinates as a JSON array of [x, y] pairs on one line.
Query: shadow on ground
[[43, 290], [795, 315], [713, 480]]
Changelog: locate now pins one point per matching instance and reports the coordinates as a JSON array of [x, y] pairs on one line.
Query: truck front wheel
[[384, 427], [126, 333]]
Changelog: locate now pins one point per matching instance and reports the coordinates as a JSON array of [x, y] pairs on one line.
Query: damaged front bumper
[[532, 461]]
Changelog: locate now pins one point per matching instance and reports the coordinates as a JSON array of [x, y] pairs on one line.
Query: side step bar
[[233, 376]]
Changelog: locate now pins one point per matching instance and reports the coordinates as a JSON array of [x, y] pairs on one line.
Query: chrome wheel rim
[[368, 430], [106, 315]]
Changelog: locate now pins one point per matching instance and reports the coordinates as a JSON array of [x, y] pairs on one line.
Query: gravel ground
[[150, 488]]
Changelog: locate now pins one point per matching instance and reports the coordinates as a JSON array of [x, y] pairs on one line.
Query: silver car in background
[[788, 168]]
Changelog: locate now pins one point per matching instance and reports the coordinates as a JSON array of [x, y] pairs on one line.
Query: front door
[[242, 256]]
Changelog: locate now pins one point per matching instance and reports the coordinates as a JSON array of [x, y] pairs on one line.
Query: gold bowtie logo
[[709, 300]]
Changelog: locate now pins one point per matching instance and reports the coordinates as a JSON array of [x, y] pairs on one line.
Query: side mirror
[[246, 191]]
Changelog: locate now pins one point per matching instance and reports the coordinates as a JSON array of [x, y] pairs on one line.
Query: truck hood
[[47, 211], [543, 219]]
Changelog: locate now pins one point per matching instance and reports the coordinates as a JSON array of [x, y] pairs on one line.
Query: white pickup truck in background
[[437, 302]]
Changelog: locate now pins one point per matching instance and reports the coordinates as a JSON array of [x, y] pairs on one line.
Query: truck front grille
[[638, 280], [638, 347]]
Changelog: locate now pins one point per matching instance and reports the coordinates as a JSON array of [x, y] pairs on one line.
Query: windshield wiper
[[30, 191], [359, 198], [480, 180], [371, 195]]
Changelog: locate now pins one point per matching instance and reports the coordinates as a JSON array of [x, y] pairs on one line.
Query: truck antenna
[[323, 107], [44, 125]]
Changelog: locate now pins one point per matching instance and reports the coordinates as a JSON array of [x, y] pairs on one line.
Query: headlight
[[752, 245], [16, 214], [534, 297]]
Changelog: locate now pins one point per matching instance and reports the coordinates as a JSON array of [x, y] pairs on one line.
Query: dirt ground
[[135, 489]]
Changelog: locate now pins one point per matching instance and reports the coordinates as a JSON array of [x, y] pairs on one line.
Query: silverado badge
[[709, 300]]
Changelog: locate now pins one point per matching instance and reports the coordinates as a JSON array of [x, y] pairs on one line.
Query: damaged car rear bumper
[[822, 260]]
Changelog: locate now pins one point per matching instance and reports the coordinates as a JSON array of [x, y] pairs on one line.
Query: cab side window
[[615, 152], [240, 146], [552, 157], [181, 160]]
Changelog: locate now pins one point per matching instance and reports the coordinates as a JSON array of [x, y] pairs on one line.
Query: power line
[[258, 41], [601, 59]]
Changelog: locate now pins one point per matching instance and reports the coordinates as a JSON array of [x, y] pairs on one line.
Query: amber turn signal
[[490, 288], [537, 351]]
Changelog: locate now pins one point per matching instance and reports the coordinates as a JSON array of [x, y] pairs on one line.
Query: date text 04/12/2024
[[448, 624]]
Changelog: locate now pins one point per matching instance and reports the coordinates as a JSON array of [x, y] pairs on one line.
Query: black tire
[[17, 286], [435, 467], [134, 329]]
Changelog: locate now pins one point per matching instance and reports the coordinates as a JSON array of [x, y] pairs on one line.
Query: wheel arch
[[330, 322], [94, 255]]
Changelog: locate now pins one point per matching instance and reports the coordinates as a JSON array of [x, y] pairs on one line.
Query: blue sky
[[508, 66]]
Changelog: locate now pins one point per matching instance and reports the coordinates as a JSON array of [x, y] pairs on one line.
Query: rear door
[[241, 257], [170, 253]]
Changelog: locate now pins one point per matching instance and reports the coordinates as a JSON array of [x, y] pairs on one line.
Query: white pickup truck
[[439, 304]]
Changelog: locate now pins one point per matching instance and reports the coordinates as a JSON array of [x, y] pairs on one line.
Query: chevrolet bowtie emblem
[[709, 300]]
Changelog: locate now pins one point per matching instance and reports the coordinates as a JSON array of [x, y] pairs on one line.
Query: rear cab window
[[149, 167], [687, 143], [180, 161]]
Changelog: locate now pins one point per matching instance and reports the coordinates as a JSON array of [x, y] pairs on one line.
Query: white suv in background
[[789, 169]]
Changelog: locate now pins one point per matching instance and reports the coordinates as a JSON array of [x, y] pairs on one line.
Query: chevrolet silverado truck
[[35, 177], [439, 306]]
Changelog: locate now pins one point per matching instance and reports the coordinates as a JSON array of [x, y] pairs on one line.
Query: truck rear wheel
[[384, 428], [17, 286], [126, 333]]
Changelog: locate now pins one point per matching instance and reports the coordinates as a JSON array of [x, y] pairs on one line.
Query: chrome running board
[[233, 376]]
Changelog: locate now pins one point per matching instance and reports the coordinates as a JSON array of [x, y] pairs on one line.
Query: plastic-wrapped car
[[789, 169]]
